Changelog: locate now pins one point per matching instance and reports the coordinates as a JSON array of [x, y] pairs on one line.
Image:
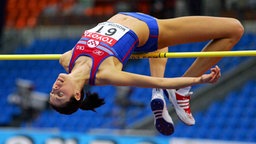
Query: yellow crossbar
[[196, 54], [247, 53]]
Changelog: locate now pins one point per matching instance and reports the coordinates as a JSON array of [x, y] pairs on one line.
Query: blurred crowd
[[30, 13], [20, 14]]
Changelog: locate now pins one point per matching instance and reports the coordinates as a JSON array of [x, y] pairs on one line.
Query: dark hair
[[90, 102]]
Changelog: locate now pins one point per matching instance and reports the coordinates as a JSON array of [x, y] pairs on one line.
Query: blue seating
[[230, 119]]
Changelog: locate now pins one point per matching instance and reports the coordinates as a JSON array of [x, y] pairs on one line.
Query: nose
[[55, 87]]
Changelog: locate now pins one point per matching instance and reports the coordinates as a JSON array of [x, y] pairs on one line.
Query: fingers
[[216, 74]]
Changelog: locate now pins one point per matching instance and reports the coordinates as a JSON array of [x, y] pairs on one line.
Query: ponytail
[[91, 101]]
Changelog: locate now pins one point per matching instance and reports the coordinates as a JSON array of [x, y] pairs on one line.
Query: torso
[[138, 27]]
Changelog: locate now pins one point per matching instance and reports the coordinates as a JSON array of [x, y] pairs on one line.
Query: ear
[[77, 95]]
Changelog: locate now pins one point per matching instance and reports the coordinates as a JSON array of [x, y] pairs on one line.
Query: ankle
[[157, 91], [183, 91]]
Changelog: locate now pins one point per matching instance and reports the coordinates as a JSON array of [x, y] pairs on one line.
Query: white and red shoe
[[181, 106], [162, 120]]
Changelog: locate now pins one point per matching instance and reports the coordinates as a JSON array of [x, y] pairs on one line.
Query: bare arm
[[121, 78], [65, 58]]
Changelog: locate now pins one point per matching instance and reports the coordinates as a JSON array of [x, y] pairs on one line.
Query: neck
[[80, 74]]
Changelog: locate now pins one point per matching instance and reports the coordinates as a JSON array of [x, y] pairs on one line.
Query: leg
[[224, 33], [157, 65], [163, 121], [157, 69]]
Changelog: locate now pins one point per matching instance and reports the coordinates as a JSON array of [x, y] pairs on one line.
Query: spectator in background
[[124, 102], [30, 101]]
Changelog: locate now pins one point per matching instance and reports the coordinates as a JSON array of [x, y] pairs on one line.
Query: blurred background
[[225, 112]]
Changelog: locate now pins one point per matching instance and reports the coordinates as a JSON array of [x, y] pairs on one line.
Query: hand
[[211, 77]]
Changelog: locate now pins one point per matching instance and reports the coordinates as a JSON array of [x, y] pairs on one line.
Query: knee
[[237, 29]]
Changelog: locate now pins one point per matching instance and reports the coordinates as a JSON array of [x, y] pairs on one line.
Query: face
[[62, 90]]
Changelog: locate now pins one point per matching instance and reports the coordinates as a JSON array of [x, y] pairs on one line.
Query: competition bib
[[106, 32]]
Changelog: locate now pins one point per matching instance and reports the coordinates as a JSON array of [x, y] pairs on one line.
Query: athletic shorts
[[152, 42]]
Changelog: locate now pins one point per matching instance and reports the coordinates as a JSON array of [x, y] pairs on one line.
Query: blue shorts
[[152, 42]]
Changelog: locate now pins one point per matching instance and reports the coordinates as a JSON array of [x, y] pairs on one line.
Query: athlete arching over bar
[[98, 58]]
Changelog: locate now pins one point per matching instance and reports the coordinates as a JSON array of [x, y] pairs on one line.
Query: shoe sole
[[164, 127]]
